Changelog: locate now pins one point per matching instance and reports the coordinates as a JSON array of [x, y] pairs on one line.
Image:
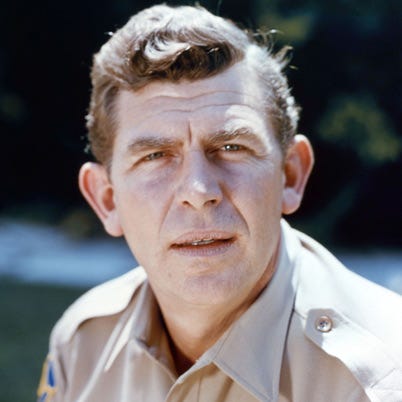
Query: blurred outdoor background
[[345, 71]]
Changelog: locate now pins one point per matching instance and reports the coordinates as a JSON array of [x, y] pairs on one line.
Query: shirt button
[[323, 324]]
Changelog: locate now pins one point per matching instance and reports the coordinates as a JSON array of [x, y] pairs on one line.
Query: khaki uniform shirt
[[317, 333]]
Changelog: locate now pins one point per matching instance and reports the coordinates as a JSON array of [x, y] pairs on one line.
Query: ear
[[97, 189], [298, 163]]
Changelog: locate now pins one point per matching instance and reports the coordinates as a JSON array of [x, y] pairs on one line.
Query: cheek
[[261, 187], [141, 205], [145, 189], [260, 204]]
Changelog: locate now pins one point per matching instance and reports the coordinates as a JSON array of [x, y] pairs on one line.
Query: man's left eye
[[232, 147], [154, 156]]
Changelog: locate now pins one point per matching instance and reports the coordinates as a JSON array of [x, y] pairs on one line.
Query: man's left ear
[[298, 163]]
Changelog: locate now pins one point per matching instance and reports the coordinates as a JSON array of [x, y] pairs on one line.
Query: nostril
[[200, 202]]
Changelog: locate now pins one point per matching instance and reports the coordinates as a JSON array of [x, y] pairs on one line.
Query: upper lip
[[197, 236]]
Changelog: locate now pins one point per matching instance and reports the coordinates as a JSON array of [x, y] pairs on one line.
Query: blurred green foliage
[[347, 76], [358, 123], [297, 27], [27, 314]]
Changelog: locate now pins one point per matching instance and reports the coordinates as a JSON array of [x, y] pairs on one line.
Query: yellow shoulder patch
[[47, 385]]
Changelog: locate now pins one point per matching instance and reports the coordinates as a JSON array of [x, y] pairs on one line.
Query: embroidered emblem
[[47, 386]]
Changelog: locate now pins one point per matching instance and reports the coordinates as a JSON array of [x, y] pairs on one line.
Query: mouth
[[203, 244]]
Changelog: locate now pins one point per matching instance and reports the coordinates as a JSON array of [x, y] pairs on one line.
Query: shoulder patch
[[47, 385]]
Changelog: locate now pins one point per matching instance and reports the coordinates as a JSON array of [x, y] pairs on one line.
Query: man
[[194, 130]]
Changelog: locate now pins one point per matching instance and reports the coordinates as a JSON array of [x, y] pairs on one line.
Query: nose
[[199, 184]]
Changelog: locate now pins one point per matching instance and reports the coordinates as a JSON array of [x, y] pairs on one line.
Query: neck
[[193, 329]]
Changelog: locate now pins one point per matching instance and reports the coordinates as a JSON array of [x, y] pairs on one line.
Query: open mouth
[[202, 242], [207, 243]]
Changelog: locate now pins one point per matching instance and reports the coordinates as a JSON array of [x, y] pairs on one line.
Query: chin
[[212, 290]]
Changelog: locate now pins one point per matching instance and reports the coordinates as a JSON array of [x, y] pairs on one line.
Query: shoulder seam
[[96, 303]]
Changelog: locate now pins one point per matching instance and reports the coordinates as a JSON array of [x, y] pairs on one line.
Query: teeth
[[202, 242]]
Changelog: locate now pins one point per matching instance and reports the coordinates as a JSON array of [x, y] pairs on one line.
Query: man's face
[[197, 184]]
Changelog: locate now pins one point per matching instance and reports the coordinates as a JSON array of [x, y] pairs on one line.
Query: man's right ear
[[97, 189]]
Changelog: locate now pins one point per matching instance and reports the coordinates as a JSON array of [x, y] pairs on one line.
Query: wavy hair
[[175, 43]]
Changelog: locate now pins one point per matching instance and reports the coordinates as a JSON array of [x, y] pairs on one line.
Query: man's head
[[195, 177], [180, 43]]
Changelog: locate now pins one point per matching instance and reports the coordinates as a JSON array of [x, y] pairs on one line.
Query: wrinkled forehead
[[238, 85], [240, 78]]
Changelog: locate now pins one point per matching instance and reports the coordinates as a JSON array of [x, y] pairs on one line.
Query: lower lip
[[207, 250]]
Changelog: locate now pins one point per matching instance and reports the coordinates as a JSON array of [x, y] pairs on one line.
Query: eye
[[154, 156], [232, 147]]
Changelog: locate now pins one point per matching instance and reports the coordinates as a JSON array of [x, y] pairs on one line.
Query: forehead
[[227, 100], [240, 78]]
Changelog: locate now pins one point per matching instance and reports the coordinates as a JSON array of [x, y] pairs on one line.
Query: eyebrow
[[245, 133], [150, 142]]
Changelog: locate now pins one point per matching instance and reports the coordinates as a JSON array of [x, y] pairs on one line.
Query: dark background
[[346, 73]]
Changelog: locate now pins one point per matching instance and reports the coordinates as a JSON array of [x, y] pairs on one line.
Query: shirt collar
[[141, 321]]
